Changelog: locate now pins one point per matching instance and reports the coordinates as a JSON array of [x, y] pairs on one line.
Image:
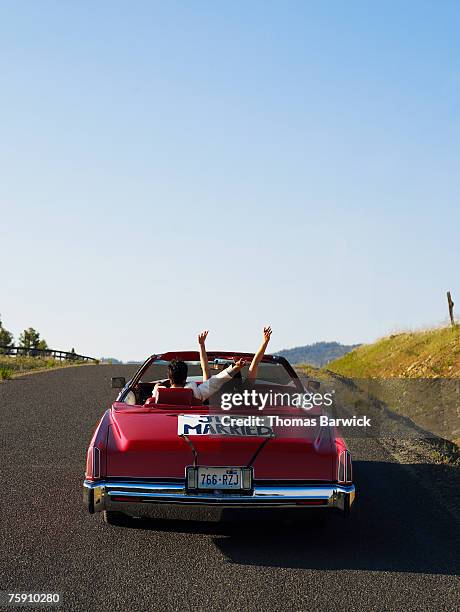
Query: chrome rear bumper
[[129, 497]]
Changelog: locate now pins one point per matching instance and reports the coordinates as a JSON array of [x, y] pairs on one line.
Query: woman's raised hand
[[239, 364], [202, 337]]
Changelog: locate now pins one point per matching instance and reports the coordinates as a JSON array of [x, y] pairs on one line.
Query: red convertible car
[[175, 450]]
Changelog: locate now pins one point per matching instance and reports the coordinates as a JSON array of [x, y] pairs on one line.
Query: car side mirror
[[118, 382], [313, 385]]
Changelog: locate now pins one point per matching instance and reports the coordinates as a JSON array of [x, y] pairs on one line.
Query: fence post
[[451, 309]]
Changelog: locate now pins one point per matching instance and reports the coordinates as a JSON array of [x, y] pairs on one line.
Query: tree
[[29, 338], [6, 337]]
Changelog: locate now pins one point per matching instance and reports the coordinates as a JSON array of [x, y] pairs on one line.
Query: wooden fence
[[21, 351]]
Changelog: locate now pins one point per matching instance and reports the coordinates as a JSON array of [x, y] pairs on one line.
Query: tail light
[[344, 469], [93, 462]]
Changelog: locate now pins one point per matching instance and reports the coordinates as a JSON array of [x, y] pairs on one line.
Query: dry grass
[[11, 366], [433, 353]]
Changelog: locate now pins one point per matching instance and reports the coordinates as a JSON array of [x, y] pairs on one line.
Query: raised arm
[[203, 357], [252, 374]]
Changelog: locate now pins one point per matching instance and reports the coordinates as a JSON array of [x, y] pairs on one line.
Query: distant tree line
[[28, 339]]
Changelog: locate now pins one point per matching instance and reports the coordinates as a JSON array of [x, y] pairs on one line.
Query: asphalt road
[[398, 551]]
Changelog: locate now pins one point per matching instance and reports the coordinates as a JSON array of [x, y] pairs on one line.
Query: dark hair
[[177, 372]]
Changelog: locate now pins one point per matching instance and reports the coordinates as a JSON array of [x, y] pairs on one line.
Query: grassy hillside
[[317, 354], [427, 354]]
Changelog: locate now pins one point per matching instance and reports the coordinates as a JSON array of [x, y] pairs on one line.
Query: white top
[[206, 388]]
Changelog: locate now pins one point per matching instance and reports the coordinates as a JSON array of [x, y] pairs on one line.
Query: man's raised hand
[[267, 334]]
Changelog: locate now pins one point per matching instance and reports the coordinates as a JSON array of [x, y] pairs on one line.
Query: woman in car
[[252, 372]]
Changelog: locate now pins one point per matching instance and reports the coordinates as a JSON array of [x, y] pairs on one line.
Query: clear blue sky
[[172, 166]]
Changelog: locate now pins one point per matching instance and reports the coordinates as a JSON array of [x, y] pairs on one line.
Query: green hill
[[426, 354], [317, 354]]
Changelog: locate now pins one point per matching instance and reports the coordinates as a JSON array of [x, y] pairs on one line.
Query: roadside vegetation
[[11, 366]]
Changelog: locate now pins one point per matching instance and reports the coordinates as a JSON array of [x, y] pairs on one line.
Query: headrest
[[176, 396]]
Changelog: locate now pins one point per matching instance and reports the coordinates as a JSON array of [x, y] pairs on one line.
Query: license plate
[[219, 478]]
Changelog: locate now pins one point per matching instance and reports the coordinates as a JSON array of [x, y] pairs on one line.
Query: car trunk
[[146, 444]]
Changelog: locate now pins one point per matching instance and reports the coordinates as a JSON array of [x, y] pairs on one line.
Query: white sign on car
[[210, 424]]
